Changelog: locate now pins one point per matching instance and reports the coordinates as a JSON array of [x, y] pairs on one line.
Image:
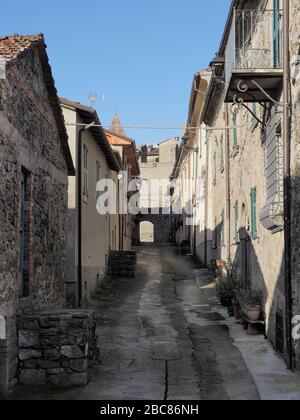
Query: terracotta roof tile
[[11, 46], [14, 45]]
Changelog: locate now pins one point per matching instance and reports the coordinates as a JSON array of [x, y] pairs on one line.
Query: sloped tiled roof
[[11, 48], [89, 115]]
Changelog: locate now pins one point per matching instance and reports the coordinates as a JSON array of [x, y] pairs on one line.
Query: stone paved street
[[160, 339]]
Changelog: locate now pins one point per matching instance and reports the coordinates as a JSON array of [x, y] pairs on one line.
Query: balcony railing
[[254, 42]]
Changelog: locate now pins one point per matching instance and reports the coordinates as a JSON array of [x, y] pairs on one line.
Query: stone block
[[48, 364], [28, 339], [72, 352], [51, 354], [79, 365], [26, 354], [32, 377]]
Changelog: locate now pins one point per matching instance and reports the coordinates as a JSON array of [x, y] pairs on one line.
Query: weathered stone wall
[[295, 159], [122, 263], [57, 348], [29, 139], [247, 169], [162, 227]]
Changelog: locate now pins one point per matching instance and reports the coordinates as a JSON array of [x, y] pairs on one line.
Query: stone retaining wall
[[57, 348], [122, 263]]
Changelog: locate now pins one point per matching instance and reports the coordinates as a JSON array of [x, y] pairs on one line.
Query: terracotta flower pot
[[253, 312], [236, 310]]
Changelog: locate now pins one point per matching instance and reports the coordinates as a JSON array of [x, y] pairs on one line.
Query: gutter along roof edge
[[89, 115]]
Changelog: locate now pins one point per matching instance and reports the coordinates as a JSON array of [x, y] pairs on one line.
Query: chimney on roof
[[144, 154], [116, 126]]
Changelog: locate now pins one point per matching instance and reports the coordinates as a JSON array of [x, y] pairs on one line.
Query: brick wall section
[[122, 264], [57, 348]]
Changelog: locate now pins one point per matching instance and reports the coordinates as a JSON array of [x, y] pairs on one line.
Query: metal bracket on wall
[[239, 100], [244, 88]]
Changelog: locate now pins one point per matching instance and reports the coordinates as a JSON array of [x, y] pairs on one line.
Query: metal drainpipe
[[79, 218], [207, 168], [227, 169], [287, 182]]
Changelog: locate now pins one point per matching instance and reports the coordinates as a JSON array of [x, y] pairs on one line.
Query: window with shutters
[[222, 229], [236, 222], [253, 198], [271, 214], [85, 173], [98, 176], [215, 235]]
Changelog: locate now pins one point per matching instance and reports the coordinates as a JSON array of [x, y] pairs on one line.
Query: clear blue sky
[[141, 54]]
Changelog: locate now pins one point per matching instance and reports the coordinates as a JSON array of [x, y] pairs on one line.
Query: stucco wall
[[97, 230]]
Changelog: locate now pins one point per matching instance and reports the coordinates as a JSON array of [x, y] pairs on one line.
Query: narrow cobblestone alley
[[160, 340]]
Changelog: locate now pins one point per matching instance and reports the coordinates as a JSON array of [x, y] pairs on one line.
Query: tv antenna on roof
[[95, 97]]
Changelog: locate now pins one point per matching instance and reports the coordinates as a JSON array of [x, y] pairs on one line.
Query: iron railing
[[254, 42]]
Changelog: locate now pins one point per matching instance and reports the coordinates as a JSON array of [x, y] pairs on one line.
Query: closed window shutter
[[222, 229], [236, 221], [253, 213], [276, 34]]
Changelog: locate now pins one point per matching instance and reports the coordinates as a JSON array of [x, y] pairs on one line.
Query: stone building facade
[[242, 124], [295, 159], [34, 165], [126, 148], [91, 236]]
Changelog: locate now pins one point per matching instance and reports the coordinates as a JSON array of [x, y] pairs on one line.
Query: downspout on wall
[[227, 169]]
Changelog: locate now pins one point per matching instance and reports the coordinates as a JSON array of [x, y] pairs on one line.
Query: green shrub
[[250, 297]]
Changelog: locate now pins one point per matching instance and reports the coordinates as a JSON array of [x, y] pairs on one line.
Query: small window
[[222, 229], [215, 235], [253, 197], [276, 34], [98, 176]]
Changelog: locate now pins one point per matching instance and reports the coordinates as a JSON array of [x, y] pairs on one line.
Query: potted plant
[[251, 303], [227, 286]]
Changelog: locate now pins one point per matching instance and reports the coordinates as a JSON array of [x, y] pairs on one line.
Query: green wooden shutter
[[236, 222], [253, 213], [222, 229], [276, 34]]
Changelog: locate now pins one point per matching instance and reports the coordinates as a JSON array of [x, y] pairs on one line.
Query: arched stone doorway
[[161, 225], [146, 232]]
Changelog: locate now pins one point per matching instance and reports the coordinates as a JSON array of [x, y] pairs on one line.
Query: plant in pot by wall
[[227, 285], [251, 303]]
